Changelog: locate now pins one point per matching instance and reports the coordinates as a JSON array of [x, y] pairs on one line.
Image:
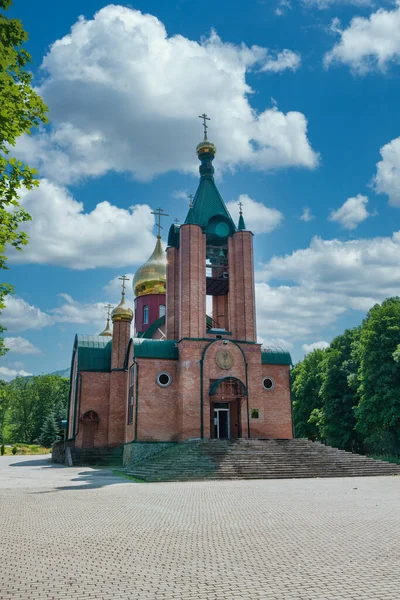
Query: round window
[[268, 383], [164, 379]]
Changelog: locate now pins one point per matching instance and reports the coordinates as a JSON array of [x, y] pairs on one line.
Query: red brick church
[[184, 374]]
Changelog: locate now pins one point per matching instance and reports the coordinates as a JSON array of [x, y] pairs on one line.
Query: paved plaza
[[80, 533]]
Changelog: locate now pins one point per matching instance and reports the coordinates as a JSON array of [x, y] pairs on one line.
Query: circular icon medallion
[[224, 359]]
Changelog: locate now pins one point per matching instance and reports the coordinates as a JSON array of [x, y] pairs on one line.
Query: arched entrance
[[89, 424], [226, 397]]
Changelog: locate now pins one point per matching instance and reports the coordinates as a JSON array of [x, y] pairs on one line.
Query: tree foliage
[[50, 431], [21, 109], [338, 392], [306, 382], [30, 401], [378, 412], [349, 394]]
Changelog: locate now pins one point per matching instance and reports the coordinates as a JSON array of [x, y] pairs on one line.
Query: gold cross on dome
[[159, 212], [108, 307], [124, 278], [205, 119], [190, 200], [240, 207]]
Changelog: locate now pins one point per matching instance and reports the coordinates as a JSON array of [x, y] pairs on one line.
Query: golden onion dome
[[107, 331], [122, 312], [152, 276], [206, 146]]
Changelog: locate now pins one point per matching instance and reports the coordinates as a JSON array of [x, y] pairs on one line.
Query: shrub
[[14, 450], [2, 450]]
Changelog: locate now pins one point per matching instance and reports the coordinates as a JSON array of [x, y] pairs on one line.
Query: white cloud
[[283, 7], [93, 314], [124, 97], [307, 348], [113, 287], [306, 215], [20, 345], [18, 315], [8, 374], [324, 4], [62, 233], [351, 213], [322, 283], [387, 179], [181, 195], [258, 217], [368, 44], [282, 61]]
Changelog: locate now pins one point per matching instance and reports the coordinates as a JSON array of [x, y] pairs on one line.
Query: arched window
[[162, 310], [146, 315]]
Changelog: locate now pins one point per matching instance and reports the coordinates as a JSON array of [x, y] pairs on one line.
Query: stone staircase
[[255, 459]]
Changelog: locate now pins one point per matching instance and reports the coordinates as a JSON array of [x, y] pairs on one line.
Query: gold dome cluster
[[152, 276], [206, 146]]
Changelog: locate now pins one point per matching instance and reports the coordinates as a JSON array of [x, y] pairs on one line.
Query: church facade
[[183, 374]]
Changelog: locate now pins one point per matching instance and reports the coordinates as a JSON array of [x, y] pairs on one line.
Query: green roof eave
[[94, 353], [272, 357], [145, 348], [150, 331]]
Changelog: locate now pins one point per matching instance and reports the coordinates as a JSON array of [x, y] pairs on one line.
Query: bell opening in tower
[[217, 284]]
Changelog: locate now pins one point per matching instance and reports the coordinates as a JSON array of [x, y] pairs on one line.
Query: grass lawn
[[26, 449]]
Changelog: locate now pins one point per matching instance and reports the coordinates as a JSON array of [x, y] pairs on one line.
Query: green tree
[[4, 404], [338, 394], [378, 410], [21, 109], [32, 400], [50, 431], [23, 401], [306, 383]]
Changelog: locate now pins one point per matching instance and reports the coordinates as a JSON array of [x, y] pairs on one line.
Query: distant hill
[[62, 373]]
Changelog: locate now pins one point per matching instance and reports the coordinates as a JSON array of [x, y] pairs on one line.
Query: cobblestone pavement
[[78, 533]]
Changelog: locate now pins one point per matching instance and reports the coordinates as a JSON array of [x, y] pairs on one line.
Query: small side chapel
[[184, 374]]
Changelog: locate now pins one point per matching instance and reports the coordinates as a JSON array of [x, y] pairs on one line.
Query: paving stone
[[80, 534]]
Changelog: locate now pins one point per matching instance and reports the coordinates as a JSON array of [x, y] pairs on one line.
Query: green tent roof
[[94, 352], [145, 348]]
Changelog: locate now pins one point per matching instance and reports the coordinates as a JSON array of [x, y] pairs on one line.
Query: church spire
[[241, 224], [208, 202], [107, 331]]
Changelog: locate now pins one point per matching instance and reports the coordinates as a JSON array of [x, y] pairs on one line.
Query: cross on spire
[[190, 200], [160, 213], [205, 119], [176, 221], [108, 307], [240, 207], [124, 279]]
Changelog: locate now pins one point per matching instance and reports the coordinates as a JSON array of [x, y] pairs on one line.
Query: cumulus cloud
[[113, 287], [20, 345], [9, 374], [124, 96], [368, 43], [307, 348], [282, 61], [387, 179], [61, 232], [323, 282], [258, 217], [18, 315], [306, 215], [351, 213]]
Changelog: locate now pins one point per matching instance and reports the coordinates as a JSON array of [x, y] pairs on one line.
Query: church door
[[89, 424], [225, 409]]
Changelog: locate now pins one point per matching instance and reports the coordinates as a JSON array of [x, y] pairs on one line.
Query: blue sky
[[303, 97]]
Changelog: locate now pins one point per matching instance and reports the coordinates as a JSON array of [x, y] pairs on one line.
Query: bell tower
[[210, 263]]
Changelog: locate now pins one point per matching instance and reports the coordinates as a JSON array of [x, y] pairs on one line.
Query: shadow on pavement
[[44, 463]]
